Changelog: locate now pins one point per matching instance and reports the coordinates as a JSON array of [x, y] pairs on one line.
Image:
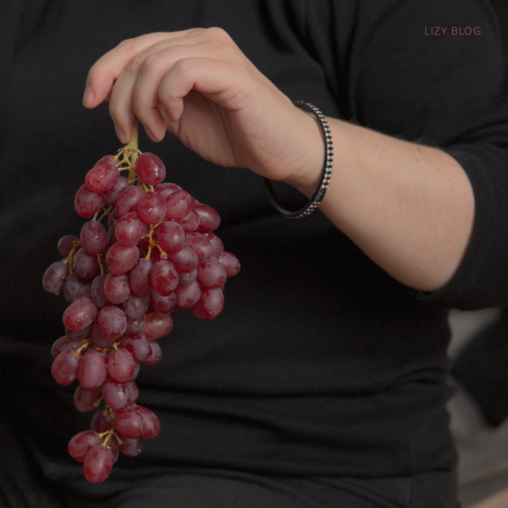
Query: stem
[[133, 146], [84, 345]]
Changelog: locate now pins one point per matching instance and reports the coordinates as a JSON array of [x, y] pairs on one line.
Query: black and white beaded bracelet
[[319, 193]]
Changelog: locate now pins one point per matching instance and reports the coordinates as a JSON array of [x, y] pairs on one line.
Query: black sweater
[[321, 363]]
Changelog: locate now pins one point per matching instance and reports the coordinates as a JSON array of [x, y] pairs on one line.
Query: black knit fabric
[[320, 364]]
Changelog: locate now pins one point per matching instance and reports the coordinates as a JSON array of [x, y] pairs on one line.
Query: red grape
[[84, 292], [190, 222], [185, 260], [138, 346], [164, 277], [129, 422], [217, 245], [129, 229], [80, 314], [81, 443], [178, 204], [150, 169], [121, 259], [99, 338], [171, 236], [103, 175], [79, 334], [187, 296], [128, 200], [121, 365], [65, 367], [135, 307], [151, 424], [85, 400], [157, 325], [116, 287], [85, 265], [135, 327], [112, 321], [65, 244], [155, 354], [94, 237], [87, 202], [62, 344], [72, 285], [152, 208], [209, 219], [158, 255], [163, 304], [211, 302], [212, 274], [186, 279], [230, 263], [166, 189], [98, 464], [92, 369], [115, 394], [140, 277], [54, 277], [97, 294], [201, 245], [101, 422], [110, 196], [131, 447]]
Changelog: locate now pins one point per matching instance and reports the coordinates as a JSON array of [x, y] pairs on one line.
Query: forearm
[[409, 207]]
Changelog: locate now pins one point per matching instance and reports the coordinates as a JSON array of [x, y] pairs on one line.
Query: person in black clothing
[[323, 382]]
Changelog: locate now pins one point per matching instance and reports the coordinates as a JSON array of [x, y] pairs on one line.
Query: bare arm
[[410, 208]]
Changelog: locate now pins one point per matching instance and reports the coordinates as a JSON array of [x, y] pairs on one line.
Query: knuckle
[[218, 33], [135, 63], [114, 109], [182, 67], [149, 62], [231, 51], [127, 45]]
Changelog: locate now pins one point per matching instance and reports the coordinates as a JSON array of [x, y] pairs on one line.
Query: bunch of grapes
[[123, 284]]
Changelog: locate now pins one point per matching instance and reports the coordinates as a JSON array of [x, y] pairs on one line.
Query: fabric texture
[[321, 364]]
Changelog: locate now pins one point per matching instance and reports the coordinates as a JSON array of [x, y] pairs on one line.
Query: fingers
[[132, 73], [138, 93], [213, 78], [108, 68]]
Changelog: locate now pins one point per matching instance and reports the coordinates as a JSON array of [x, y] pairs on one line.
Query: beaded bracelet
[[319, 193]]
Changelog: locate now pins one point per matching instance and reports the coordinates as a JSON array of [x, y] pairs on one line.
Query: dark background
[[501, 7]]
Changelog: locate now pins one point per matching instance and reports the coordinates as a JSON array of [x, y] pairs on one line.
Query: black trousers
[[23, 486], [29, 479], [223, 489]]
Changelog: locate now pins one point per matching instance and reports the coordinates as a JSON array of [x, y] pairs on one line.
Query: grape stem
[[84, 345], [132, 146], [69, 260], [102, 263], [154, 243], [106, 212]]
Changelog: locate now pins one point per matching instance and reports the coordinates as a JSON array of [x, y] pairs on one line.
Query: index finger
[[103, 73]]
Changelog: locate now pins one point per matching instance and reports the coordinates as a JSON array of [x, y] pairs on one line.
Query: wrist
[[305, 176], [309, 167]]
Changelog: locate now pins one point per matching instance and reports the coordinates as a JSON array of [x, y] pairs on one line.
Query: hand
[[199, 86]]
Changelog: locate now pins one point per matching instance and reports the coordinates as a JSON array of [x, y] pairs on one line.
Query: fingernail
[[150, 134], [88, 97], [121, 135]]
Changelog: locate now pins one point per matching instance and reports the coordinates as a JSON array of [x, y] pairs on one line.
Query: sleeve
[[433, 72]]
